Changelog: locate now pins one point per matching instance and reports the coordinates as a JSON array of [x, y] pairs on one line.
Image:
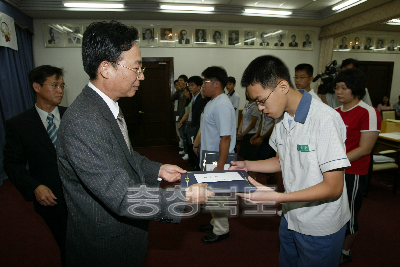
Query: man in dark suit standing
[[31, 139], [193, 125], [111, 191]]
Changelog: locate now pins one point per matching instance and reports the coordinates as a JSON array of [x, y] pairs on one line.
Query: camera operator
[[330, 98]]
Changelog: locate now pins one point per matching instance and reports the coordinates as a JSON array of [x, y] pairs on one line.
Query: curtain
[[16, 95]]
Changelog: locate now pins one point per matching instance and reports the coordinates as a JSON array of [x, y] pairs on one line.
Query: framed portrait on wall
[[342, 43], [391, 44], [217, 37], [183, 36], [264, 38], [74, 35], [233, 37], [249, 37], [380, 45], [148, 36], [355, 43], [368, 43], [278, 39], [54, 35], [166, 36], [293, 39], [201, 36], [307, 40]]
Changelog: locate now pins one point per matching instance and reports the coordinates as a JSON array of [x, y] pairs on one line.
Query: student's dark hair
[[354, 79], [387, 104], [184, 77], [41, 73], [349, 61], [197, 80], [105, 41], [216, 73], [267, 71], [231, 80], [187, 100], [176, 81], [307, 67]]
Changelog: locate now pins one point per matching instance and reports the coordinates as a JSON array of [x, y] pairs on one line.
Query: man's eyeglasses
[[262, 102], [208, 81], [54, 86], [135, 70]]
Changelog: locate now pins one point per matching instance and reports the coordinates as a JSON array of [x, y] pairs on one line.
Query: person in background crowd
[[247, 128], [363, 124], [183, 122], [385, 104], [396, 107], [31, 139]]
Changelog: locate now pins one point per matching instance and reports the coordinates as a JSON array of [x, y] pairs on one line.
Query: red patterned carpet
[[25, 240]]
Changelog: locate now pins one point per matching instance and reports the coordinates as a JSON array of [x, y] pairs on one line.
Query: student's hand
[[170, 173], [238, 166], [198, 193], [257, 142], [196, 150], [239, 136], [219, 168], [254, 137], [45, 196], [179, 125], [263, 194]]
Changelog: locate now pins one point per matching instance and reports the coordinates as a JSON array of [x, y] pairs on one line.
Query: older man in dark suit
[[31, 139], [111, 191]]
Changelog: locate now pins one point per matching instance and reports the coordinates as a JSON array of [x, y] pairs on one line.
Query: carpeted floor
[[25, 240]]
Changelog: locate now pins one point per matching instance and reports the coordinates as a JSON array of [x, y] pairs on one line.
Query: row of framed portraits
[[70, 35], [368, 43]]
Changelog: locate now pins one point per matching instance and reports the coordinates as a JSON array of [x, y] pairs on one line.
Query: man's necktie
[[124, 129], [51, 129]]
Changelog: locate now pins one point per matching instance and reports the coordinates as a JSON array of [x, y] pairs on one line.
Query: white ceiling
[[305, 12]]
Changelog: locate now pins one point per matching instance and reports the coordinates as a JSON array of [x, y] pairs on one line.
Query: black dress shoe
[[206, 228], [213, 238]]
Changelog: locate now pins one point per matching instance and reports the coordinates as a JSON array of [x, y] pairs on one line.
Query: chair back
[[388, 114]]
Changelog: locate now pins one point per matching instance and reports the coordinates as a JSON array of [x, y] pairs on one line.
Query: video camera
[[326, 86]]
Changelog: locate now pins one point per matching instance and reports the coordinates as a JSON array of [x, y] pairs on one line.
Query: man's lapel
[[107, 114], [36, 128]]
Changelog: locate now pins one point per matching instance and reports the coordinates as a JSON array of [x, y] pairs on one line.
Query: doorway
[[149, 114], [379, 79]]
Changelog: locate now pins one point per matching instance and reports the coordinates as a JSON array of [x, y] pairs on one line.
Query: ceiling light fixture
[[348, 4], [94, 5], [393, 22], [187, 8], [267, 12]]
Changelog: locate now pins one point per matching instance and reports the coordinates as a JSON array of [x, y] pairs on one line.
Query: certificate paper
[[213, 177], [219, 181]]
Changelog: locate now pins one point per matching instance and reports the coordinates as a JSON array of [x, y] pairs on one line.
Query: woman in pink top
[[385, 105]]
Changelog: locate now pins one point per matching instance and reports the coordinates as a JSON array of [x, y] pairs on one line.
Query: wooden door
[[149, 114], [379, 79]]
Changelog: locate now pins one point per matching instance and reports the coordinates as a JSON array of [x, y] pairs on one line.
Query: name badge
[[303, 148]]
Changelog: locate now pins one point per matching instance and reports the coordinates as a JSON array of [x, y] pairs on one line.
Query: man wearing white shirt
[[31, 139], [303, 78]]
